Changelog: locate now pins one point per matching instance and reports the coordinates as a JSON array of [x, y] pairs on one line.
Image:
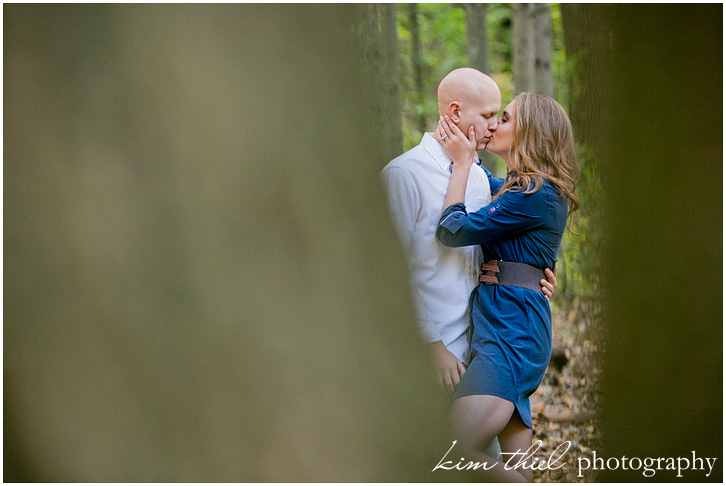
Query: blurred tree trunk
[[523, 47], [391, 79], [532, 48], [585, 31], [478, 53], [544, 82], [663, 258], [476, 36], [380, 60], [201, 283], [417, 66], [587, 50]]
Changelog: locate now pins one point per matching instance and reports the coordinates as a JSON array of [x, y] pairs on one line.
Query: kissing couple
[[489, 333]]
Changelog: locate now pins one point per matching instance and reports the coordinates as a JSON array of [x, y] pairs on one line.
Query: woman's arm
[[461, 151], [511, 214]]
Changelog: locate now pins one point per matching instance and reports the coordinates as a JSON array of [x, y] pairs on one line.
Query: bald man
[[416, 182]]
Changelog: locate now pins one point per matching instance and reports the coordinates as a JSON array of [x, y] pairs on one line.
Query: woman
[[512, 329]]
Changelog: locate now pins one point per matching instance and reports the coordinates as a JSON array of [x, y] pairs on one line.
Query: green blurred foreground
[[200, 279]]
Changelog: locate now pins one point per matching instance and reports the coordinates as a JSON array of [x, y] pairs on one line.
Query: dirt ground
[[564, 407]]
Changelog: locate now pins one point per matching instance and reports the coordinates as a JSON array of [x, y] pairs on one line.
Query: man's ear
[[454, 111]]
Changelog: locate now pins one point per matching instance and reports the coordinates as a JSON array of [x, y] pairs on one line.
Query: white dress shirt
[[442, 278]]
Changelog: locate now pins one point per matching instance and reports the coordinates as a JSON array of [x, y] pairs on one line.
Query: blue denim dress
[[511, 340]]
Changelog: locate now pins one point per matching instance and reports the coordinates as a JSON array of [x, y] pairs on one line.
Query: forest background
[[409, 48]]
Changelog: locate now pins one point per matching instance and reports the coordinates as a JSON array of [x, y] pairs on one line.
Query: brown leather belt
[[498, 272]]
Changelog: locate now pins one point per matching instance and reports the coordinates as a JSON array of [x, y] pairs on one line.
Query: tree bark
[[586, 48], [417, 66], [380, 61], [476, 36], [523, 47], [391, 80], [585, 29], [478, 54], [544, 80]]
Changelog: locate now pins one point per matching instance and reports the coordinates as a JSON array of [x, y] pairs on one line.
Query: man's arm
[[404, 203]]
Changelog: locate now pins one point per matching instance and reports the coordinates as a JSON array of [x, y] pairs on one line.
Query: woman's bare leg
[[476, 420], [517, 437]]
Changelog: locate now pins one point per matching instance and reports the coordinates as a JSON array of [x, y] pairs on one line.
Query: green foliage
[[561, 68], [578, 275], [499, 36], [443, 48], [579, 270]]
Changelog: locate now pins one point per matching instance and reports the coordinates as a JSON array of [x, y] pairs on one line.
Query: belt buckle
[[490, 269]]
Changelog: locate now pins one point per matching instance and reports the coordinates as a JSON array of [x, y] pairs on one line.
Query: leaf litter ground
[[565, 405]]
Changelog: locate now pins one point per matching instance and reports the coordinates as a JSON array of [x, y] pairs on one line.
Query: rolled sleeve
[[452, 219], [513, 213]]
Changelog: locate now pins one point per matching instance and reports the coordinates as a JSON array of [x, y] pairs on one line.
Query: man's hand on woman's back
[[549, 285]]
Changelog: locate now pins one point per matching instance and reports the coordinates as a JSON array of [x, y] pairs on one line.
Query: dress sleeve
[[494, 182], [510, 215]]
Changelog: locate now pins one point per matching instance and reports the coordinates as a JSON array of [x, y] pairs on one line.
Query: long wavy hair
[[543, 149]]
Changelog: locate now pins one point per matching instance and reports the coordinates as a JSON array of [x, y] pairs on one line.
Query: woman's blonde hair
[[543, 148]]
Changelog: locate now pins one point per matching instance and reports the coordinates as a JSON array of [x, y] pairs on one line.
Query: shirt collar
[[434, 148]]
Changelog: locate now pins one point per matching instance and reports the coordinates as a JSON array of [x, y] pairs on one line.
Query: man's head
[[470, 97]]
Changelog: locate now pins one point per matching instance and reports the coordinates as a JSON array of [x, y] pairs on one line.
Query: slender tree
[[476, 36], [417, 66], [523, 48], [478, 54], [544, 82], [380, 61]]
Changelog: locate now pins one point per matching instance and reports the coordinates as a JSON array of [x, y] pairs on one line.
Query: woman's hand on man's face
[[460, 148]]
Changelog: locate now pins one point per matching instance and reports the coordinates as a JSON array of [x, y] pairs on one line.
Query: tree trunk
[[523, 48], [417, 66], [476, 36], [478, 54], [585, 32], [662, 376], [586, 48], [380, 56], [662, 385], [201, 283], [391, 80], [544, 82]]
